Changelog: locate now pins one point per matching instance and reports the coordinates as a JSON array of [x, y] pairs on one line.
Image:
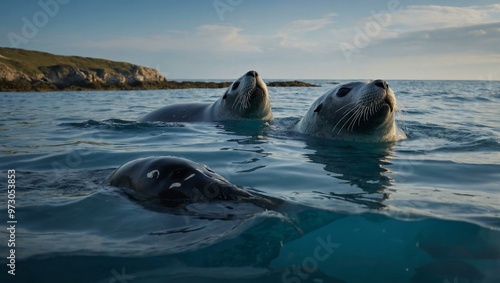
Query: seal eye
[[343, 91], [235, 85], [209, 170], [225, 95], [153, 174]]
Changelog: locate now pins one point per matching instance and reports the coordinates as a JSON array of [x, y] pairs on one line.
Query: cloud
[[227, 39], [457, 50], [485, 40], [417, 38], [297, 34], [426, 30], [431, 17], [477, 32], [222, 38], [217, 38], [418, 18], [150, 44], [309, 25]]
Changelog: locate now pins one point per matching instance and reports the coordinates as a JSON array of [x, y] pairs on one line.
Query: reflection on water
[[357, 164]]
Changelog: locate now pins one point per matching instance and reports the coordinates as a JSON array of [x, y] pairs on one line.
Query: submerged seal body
[[245, 98], [175, 179], [356, 111]]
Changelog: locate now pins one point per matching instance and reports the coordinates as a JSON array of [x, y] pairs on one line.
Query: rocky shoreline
[[26, 71], [41, 86]]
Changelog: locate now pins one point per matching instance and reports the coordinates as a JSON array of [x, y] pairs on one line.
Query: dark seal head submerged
[[175, 179]]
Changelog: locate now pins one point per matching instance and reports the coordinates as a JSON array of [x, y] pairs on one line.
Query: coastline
[[34, 71], [21, 85]]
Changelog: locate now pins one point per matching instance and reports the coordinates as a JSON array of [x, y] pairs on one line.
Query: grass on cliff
[[31, 62]]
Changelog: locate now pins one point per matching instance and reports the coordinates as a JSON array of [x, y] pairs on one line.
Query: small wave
[[456, 135], [120, 124], [86, 124]]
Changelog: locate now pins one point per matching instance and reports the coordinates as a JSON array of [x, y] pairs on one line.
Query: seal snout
[[388, 98], [220, 189], [381, 83], [252, 74], [258, 92], [389, 102]]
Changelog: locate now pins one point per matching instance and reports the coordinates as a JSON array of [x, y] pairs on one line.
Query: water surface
[[425, 209]]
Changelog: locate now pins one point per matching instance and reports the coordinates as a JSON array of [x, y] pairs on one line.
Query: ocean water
[[424, 209]]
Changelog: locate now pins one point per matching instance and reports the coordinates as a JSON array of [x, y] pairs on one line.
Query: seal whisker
[[340, 120], [358, 115], [361, 110], [350, 127], [353, 118], [366, 115], [352, 113], [347, 105], [243, 99], [372, 109], [348, 112]]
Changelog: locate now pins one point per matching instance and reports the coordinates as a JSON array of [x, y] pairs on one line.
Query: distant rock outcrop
[[65, 75], [25, 70], [24, 67], [10, 74], [291, 84]]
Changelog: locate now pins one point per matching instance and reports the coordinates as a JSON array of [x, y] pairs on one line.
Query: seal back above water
[[247, 98]]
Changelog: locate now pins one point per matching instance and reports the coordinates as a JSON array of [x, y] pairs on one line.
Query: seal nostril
[[252, 74], [381, 83]]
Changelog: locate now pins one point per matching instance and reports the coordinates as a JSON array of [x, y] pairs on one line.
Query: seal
[[355, 111], [246, 98], [175, 179]]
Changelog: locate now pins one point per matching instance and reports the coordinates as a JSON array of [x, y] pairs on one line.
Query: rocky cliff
[[24, 67], [67, 75], [24, 70]]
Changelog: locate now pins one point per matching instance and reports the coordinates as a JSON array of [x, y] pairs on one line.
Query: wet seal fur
[[178, 180], [247, 98], [355, 111]]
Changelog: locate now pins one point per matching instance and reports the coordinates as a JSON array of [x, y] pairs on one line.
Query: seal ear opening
[[318, 108]]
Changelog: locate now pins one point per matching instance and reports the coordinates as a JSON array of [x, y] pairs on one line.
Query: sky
[[281, 39]]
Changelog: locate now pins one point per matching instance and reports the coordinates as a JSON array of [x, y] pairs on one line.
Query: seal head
[[175, 179], [246, 98], [356, 111]]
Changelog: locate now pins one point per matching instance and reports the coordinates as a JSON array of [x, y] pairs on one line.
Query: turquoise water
[[425, 209]]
